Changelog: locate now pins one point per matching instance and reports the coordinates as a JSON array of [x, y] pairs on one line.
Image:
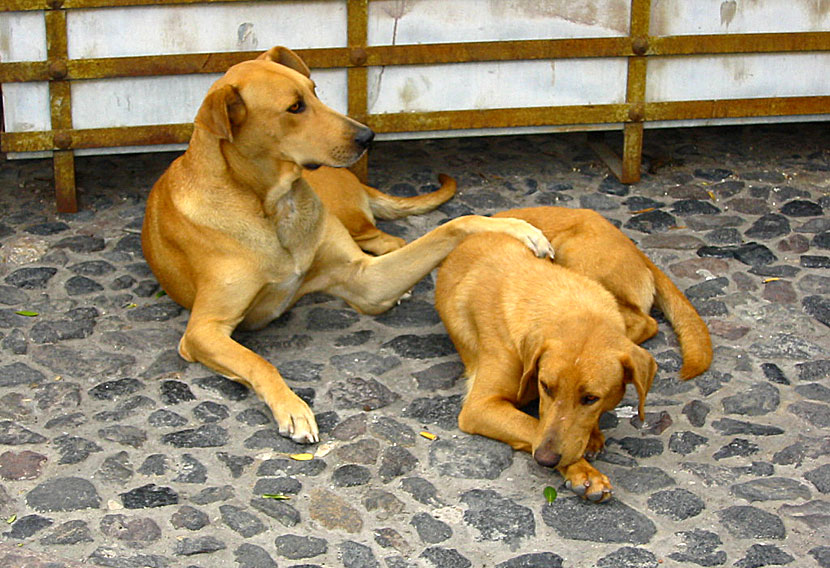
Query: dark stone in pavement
[[61, 494], [410, 313], [700, 548], [696, 412], [189, 518], [27, 526], [815, 413], [818, 307], [149, 496], [737, 447], [770, 489], [362, 362], [774, 374], [81, 285], [814, 370], [74, 449], [498, 518], [253, 556], [820, 478], [744, 521], [241, 521], [69, 533], [227, 388], [327, 319], [439, 376], [759, 555], [430, 530], [281, 511], [470, 457], [758, 399], [351, 475], [395, 461], [440, 410], [365, 394], [694, 207], [411, 346], [576, 519], [296, 547], [439, 557], [769, 226], [686, 442], [421, 490], [112, 390], [651, 222], [19, 373], [802, 208], [136, 532], [199, 545], [627, 557], [31, 278]]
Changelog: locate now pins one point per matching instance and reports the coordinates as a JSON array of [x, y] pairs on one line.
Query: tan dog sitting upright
[[528, 329], [235, 234], [356, 205]]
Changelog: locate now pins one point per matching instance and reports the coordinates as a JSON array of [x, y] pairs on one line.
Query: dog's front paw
[[296, 420], [587, 482], [532, 237]]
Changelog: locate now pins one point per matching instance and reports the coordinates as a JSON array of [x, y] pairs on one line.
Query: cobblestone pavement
[[117, 453]]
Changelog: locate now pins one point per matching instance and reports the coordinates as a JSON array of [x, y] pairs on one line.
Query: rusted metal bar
[[60, 107], [737, 108], [29, 5], [63, 163], [357, 34], [739, 43], [337, 57], [498, 118], [422, 54]]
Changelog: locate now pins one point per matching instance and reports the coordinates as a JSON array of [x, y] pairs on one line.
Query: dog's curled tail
[[692, 333], [386, 206]]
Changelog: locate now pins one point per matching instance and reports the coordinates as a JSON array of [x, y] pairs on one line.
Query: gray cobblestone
[[118, 453]]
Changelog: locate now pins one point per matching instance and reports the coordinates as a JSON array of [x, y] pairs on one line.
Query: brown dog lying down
[[356, 205], [235, 234], [528, 329], [587, 243]]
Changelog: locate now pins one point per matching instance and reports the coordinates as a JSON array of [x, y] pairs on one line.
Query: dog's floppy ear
[[639, 367], [221, 110], [285, 56], [530, 367]]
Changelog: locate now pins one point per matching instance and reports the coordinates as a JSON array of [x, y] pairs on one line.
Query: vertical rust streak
[[358, 75], [60, 106]]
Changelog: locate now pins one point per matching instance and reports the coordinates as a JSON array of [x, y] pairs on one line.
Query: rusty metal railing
[[357, 57]]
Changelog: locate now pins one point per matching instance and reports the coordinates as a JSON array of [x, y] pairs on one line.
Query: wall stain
[[246, 39], [727, 12]]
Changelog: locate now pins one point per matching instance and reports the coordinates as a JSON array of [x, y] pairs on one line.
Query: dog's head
[[577, 386], [267, 108]]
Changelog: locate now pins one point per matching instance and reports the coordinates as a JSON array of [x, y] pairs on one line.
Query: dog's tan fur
[[527, 329], [588, 244], [234, 233], [356, 205]]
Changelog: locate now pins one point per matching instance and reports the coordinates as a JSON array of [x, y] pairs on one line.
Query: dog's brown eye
[[547, 389], [589, 399], [297, 107]]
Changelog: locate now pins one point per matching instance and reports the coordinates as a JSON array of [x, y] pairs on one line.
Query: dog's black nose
[[544, 456], [364, 136]]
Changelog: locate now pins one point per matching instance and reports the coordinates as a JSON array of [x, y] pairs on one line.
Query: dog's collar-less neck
[[268, 178]]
